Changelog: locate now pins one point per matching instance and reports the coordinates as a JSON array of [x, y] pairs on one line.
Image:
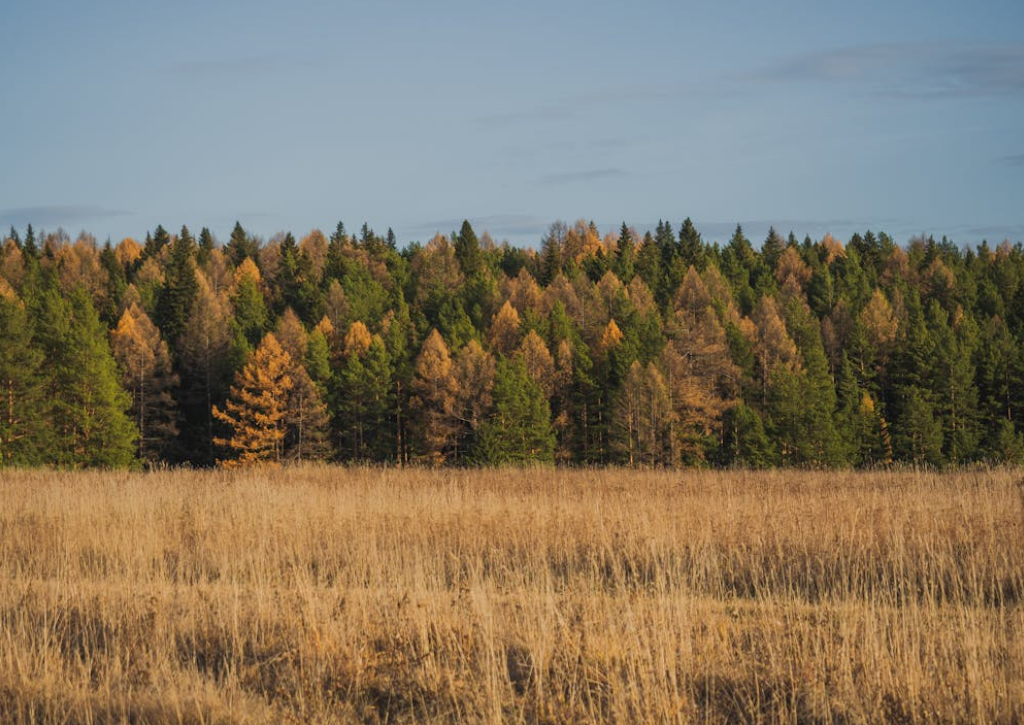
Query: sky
[[904, 116]]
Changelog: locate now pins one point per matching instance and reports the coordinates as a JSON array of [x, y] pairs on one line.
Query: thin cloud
[[499, 225], [545, 112], [994, 233], [1013, 160], [582, 176], [577, 106], [58, 214], [911, 70]]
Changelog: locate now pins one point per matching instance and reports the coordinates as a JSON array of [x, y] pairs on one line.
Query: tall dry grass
[[322, 595]]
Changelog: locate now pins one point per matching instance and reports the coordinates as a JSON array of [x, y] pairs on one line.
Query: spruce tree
[[179, 289], [361, 402], [155, 244], [467, 250], [23, 429], [86, 409], [206, 247], [29, 247], [691, 247], [625, 255], [519, 430], [205, 364], [240, 246], [250, 317]]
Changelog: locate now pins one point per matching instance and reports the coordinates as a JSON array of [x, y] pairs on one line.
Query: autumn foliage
[[639, 348]]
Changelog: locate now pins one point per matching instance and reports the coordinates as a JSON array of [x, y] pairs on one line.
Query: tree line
[[646, 350]]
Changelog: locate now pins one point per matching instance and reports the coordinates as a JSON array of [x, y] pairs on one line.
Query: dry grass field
[[323, 595]]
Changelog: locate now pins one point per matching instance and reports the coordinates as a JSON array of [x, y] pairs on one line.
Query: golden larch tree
[[307, 422], [880, 324], [292, 335], [504, 337], [474, 370], [773, 345], [256, 413], [146, 372], [699, 373], [539, 363], [357, 339], [642, 422], [435, 391]]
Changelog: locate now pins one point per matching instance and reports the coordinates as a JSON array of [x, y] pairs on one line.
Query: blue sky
[[904, 116]]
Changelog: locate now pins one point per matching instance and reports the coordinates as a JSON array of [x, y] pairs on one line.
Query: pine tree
[[240, 246], [256, 412], [250, 309], [116, 284], [550, 258], [295, 285], [519, 430], [206, 247], [953, 382], [467, 250], [772, 249], [744, 440], [625, 255], [739, 264], [180, 286], [917, 435], [156, 243], [691, 247], [29, 247], [649, 268], [362, 401], [812, 437], [86, 408], [22, 426]]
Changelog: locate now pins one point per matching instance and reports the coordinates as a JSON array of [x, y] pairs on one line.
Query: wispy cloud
[[1013, 160], [991, 232], [58, 214], [542, 112], [244, 66], [951, 70], [576, 106], [499, 225], [582, 176]]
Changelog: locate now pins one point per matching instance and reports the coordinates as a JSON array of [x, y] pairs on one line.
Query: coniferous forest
[[646, 350]]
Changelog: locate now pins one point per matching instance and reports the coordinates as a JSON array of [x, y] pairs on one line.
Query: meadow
[[325, 595]]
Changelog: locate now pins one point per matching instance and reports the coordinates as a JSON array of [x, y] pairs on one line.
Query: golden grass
[[322, 595]]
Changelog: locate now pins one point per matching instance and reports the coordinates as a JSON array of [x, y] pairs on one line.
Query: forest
[[646, 350]]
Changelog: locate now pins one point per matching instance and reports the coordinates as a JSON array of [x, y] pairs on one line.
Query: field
[[322, 595]]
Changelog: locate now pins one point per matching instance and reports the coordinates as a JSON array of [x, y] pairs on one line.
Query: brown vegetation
[[321, 595]]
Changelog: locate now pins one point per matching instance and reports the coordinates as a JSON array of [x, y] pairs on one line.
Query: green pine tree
[[23, 432], [86, 407], [180, 287], [519, 430]]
